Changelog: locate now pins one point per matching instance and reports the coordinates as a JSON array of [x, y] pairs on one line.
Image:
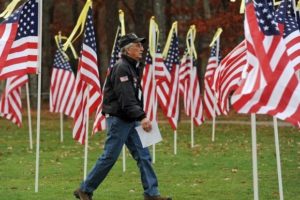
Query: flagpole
[[254, 156], [215, 96], [175, 142], [61, 127], [280, 187], [192, 104], [86, 136], [29, 116], [153, 82], [40, 17], [61, 113]]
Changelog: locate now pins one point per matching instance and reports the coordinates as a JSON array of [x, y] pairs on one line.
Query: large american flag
[[23, 54], [172, 65], [189, 85], [209, 95], [285, 17], [88, 91], [280, 96], [62, 86], [10, 100], [227, 76]]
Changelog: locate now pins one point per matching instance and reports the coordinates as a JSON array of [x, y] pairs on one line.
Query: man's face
[[135, 51]]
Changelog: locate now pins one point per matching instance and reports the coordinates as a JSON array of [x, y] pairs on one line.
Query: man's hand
[[146, 124]]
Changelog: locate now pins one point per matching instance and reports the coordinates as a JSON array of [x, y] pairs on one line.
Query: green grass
[[220, 170]]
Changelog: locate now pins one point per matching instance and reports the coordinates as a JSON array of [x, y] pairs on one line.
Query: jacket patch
[[123, 78]]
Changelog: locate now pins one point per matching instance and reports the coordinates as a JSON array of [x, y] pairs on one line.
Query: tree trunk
[[159, 12], [48, 42], [207, 13]]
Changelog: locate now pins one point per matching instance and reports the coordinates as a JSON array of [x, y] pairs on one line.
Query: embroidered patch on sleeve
[[123, 78]]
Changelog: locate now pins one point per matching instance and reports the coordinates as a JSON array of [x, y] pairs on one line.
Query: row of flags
[[257, 76]]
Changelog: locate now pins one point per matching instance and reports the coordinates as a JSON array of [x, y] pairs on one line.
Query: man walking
[[123, 108]]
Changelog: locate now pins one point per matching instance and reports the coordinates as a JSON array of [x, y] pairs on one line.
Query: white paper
[[151, 137]]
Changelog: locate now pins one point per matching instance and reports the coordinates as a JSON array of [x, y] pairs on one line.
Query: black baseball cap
[[130, 38]]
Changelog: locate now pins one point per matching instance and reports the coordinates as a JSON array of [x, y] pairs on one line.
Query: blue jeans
[[118, 133]]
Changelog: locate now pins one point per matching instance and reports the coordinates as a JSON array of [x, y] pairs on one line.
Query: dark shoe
[[79, 194], [146, 197]]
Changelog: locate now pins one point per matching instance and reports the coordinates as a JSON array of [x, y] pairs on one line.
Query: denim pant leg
[[143, 158], [117, 133]]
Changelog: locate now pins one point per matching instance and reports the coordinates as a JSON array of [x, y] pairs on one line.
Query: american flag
[[162, 78], [209, 94], [23, 54], [285, 17], [227, 76], [8, 31], [190, 89], [62, 86], [280, 97], [10, 100], [172, 65], [88, 91], [149, 89]]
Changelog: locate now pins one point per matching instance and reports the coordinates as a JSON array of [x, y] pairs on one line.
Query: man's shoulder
[[121, 66]]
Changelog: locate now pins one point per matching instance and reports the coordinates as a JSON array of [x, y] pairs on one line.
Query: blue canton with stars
[[59, 60], [148, 56], [173, 53], [285, 15], [89, 33], [28, 22], [265, 18], [213, 52]]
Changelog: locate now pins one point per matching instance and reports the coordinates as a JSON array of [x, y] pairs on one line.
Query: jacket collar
[[130, 60]]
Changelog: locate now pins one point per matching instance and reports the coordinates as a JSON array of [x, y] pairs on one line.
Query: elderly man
[[123, 108]]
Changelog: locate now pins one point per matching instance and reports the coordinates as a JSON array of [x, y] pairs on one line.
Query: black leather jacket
[[123, 92]]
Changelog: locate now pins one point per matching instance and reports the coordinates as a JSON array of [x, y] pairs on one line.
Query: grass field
[[220, 170]]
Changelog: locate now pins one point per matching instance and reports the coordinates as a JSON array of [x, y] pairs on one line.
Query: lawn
[[220, 170]]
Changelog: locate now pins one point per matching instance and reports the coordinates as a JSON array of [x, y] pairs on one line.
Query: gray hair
[[124, 49]]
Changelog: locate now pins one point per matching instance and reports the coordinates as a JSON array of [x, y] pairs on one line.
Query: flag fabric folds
[[291, 35], [62, 86], [10, 100], [88, 91], [227, 76], [8, 31], [209, 95], [172, 65], [190, 89], [23, 53], [149, 88], [276, 88]]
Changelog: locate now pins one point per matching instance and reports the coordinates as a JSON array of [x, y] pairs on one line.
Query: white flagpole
[[215, 96], [280, 187], [124, 158], [61, 127], [86, 136], [29, 116], [192, 103], [154, 87], [40, 17], [254, 156], [61, 114], [175, 142]]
